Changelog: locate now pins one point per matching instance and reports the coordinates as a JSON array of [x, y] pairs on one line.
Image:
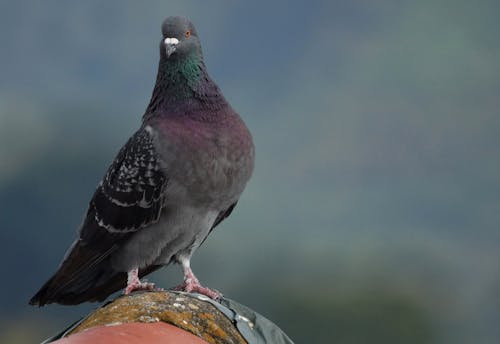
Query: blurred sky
[[376, 124]]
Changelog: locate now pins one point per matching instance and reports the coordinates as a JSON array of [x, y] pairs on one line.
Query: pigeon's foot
[[134, 283], [192, 285], [196, 287], [139, 286]]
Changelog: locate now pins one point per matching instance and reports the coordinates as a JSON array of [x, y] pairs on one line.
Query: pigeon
[[177, 178]]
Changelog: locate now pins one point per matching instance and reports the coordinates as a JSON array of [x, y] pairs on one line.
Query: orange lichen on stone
[[181, 310]]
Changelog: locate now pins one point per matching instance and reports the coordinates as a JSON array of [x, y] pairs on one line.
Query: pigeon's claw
[[134, 283], [139, 286], [192, 285], [196, 287]]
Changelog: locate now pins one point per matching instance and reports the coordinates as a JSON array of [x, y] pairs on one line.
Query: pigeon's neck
[[183, 85]]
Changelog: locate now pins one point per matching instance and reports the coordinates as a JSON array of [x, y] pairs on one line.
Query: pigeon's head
[[180, 38]]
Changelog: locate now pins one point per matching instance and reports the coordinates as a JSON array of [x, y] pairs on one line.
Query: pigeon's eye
[[187, 34]]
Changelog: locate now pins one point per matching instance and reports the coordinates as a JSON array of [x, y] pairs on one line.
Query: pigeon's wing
[[223, 215], [131, 194], [129, 198], [220, 217]]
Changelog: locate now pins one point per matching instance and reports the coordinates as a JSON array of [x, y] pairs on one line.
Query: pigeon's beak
[[170, 45]]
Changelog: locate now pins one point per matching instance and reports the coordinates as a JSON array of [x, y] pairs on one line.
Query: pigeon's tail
[[82, 276]]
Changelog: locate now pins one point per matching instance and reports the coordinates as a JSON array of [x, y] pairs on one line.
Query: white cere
[[173, 40]]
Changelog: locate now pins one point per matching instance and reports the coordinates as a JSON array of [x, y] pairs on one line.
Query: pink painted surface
[[159, 332]]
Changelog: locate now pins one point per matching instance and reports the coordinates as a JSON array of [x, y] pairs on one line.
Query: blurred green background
[[373, 214]]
